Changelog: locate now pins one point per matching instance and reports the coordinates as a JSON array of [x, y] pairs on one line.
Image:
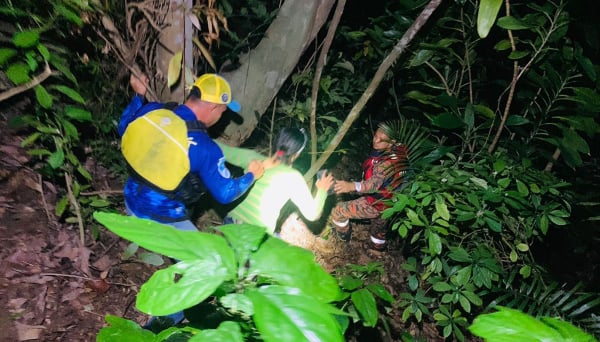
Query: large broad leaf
[[244, 239], [486, 16], [286, 314], [181, 286], [121, 329], [166, 240], [513, 325], [294, 266]]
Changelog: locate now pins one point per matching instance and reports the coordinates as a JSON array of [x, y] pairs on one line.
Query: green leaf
[[18, 73], [350, 283], [568, 331], [78, 114], [287, 314], [129, 251], [82, 171], [414, 217], [57, 159], [525, 271], [238, 302], [227, 331], [513, 255], [442, 209], [71, 130], [522, 188], [572, 139], [381, 292], [442, 286], [543, 224], [68, 14], [61, 206], [523, 247], [181, 286], [43, 50], [512, 23], [585, 63], [447, 121], [421, 57], [413, 282], [493, 224], [244, 239], [166, 240], [174, 68], [473, 298], [30, 139], [459, 254], [365, 304], [151, 259], [512, 325], [479, 182], [517, 55], [516, 120], [61, 65], [43, 97], [502, 45], [6, 54], [559, 221], [486, 16], [121, 329], [435, 244], [26, 39], [70, 92], [294, 266]]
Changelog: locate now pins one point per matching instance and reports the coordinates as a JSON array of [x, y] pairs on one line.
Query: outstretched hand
[[257, 169], [139, 84], [325, 182], [343, 187]]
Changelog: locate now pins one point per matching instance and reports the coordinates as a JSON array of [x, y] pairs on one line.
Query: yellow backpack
[[155, 146]]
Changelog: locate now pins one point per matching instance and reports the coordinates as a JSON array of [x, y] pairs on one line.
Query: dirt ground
[[53, 288]]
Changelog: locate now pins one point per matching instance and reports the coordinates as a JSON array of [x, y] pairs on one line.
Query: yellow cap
[[215, 89]]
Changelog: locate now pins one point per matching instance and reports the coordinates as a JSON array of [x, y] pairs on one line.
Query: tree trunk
[[177, 37], [264, 69]]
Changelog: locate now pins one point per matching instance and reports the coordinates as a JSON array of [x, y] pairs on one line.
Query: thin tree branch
[[317, 79], [389, 60], [26, 86]]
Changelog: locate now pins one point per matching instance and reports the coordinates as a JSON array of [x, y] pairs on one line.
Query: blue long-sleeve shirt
[[206, 160]]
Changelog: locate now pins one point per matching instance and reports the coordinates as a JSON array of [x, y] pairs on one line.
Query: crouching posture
[[383, 173]]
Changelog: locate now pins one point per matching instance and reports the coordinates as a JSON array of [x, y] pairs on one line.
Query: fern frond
[[539, 299]]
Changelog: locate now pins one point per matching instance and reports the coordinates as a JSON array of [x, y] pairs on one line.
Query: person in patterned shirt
[[383, 173]]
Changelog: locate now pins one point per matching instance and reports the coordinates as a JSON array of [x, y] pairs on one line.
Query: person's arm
[[381, 172], [132, 111], [311, 208], [240, 157], [208, 161]]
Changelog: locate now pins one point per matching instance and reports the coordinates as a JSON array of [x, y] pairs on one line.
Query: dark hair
[[195, 93], [290, 141]]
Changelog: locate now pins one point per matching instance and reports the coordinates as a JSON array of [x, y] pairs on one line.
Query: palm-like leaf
[[411, 134], [538, 299]]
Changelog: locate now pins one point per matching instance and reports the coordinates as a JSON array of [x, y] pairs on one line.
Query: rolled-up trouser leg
[[378, 232], [359, 208]]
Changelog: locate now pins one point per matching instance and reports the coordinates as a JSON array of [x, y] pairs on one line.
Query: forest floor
[[53, 288]]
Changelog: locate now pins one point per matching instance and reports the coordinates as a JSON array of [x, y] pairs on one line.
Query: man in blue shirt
[[209, 98]]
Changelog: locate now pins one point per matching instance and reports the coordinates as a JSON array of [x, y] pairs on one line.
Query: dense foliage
[[512, 112]]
